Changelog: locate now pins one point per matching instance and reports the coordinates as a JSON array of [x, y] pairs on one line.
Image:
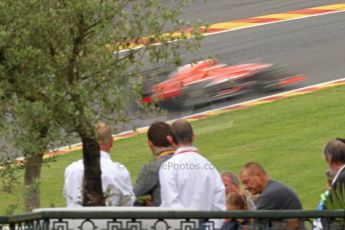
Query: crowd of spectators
[[180, 177]]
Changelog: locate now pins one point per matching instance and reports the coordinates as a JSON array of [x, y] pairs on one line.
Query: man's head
[[334, 153], [231, 182], [183, 132], [160, 136], [104, 136], [254, 177]]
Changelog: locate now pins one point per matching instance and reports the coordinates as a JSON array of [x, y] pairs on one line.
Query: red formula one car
[[208, 80]]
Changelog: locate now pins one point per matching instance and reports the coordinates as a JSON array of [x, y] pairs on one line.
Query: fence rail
[[158, 218]]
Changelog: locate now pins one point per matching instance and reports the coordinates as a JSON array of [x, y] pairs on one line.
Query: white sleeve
[[169, 189], [119, 189], [72, 186], [128, 197], [219, 203], [219, 196]]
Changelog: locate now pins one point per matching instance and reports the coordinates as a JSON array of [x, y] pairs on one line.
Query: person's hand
[[246, 193], [255, 198], [148, 201], [143, 201]]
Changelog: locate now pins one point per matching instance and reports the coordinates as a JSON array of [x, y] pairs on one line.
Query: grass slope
[[286, 137]]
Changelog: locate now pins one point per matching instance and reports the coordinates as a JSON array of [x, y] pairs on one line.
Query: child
[[235, 201]]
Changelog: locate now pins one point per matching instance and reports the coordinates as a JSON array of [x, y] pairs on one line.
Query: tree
[[32, 128], [66, 64]]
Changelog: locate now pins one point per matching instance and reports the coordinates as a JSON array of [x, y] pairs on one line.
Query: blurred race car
[[209, 80]]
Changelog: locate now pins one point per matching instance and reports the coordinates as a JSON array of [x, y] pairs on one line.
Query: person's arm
[[147, 180], [265, 203], [128, 196], [73, 186], [219, 196], [169, 190], [119, 188]]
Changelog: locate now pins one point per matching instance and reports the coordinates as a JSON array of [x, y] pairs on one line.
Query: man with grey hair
[[116, 180], [231, 182], [189, 180], [334, 154]]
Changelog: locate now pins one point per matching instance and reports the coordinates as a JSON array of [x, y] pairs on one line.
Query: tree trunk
[[32, 176], [92, 185]]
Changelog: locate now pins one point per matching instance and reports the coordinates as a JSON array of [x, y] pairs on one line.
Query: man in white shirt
[[116, 180], [188, 180]]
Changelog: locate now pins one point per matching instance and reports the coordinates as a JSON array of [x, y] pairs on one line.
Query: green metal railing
[[175, 219]]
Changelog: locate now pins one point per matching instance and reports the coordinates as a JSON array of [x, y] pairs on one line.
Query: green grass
[[286, 137]]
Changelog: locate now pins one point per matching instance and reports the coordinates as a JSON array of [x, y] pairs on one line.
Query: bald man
[[189, 180], [116, 180], [273, 194]]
